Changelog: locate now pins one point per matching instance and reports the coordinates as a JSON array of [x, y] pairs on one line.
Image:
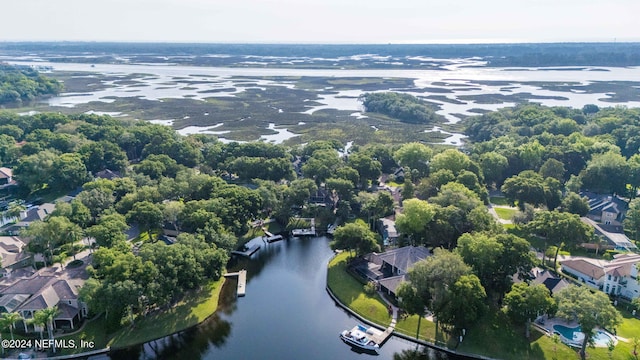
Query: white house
[[616, 277]]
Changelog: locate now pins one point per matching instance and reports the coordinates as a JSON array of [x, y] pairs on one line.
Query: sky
[[320, 21]]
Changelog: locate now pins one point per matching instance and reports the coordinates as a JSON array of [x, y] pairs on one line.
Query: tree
[[435, 276], [525, 302], [554, 169], [414, 219], [368, 168], [355, 236], [34, 171], [575, 204], [560, 229], [589, 309], [415, 156], [147, 215], [493, 166], [10, 319], [452, 160], [70, 172], [45, 317], [465, 302], [526, 187], [496, 258], [606, 173], [410, 301], [632, 220]]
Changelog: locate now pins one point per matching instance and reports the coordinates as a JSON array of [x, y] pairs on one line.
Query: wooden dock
[[242, 281], [247, 253], [306, 232], [274, 238]]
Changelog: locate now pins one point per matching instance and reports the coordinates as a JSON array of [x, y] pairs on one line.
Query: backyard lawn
[[351, 293], [505, 213]]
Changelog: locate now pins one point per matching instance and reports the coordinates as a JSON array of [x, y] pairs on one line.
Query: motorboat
[[361, 337]]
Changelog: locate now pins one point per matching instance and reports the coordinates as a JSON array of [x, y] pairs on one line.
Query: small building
[[107, 174], [618, 277]]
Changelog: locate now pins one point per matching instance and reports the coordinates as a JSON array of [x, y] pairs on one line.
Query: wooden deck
[[306, 232], [242, 281], [274, 238], [247, 253]]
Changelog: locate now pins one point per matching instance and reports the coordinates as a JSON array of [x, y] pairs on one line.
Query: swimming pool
[[574, 334]]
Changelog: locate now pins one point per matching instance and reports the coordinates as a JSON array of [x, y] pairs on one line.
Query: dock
[[242, 281], [306, 232], [247, 253], [274, 238]]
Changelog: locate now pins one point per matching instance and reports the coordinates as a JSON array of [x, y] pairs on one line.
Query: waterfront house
[[618, 277], [28, 295], [390, 268]]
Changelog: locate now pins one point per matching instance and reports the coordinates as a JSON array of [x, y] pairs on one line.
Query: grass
[[505, 214], [351, 293], [195, 308], [192, 310], [508, 341], [499, 200]]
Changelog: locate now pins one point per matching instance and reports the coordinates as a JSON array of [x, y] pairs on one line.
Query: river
[[286, 314]]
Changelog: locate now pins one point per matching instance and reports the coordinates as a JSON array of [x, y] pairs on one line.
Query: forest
[[24, 84]]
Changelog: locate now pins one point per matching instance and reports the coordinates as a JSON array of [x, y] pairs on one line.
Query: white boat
[[360, 337]]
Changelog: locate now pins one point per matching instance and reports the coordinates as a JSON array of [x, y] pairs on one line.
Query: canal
[[286, 314]]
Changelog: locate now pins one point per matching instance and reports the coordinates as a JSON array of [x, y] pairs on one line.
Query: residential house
[[107, 174], [618, 277], [387, 228], [614, 234], [6, 177], [606, 209], [390, 268], [28, 295], [546, 278], [30, 215], [13, 255]]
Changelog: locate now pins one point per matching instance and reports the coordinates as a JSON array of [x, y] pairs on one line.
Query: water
[[286, 314], [601, 339]]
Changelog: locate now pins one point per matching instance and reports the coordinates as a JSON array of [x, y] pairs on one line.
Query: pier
[[306, 232], [242, 281], [248, 252]]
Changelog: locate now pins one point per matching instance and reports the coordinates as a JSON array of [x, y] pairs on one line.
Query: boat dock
[[274, 238], [381, 336], [306, 232], [242, 281], [248, 252]]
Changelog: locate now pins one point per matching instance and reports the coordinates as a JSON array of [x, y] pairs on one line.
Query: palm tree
[[10, 320], [38, 320], [45, 317], [3, 324]]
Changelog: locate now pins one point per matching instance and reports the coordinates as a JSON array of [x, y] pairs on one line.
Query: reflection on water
[[286, 314]]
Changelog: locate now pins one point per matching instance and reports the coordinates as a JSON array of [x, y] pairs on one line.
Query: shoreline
[[395, 332]]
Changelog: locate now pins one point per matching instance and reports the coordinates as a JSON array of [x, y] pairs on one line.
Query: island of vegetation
[[160, 214], [24, 84]]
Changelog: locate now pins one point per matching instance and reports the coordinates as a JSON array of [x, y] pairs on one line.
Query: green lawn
[[351, 293], [504, 213], [494, 336], [499, 200], [194, 309]]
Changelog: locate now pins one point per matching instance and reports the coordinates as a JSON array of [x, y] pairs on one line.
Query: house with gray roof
[[13, 254], [390, 268], [606, 209], [28, 295]]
